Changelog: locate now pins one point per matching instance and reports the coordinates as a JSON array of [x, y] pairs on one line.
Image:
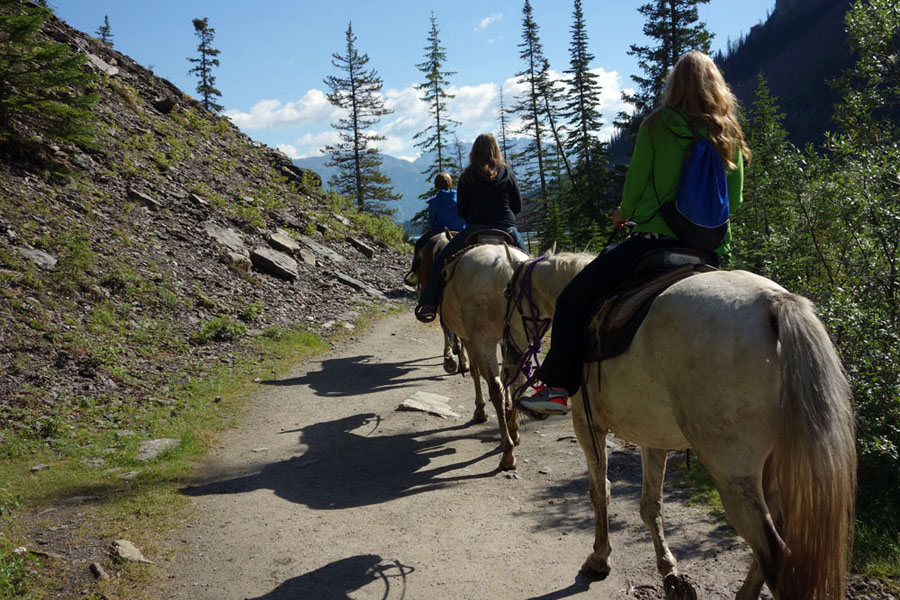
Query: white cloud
[[290, 150], [488, 21], [312, 109]]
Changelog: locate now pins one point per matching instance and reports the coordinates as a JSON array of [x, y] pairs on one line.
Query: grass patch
[[194, 409]]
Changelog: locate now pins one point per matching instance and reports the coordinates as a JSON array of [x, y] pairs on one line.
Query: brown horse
[[455, 359], [742, 371]]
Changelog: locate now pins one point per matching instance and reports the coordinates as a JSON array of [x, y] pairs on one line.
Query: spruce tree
[[104, 32], [504, 128], [358, 93], [206, 85], [45, 93], [435, 138], [582, 113], [582, 110], [674, 29], [530, 106]]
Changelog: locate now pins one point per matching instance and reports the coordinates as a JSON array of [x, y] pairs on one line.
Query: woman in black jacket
[[487, 197]]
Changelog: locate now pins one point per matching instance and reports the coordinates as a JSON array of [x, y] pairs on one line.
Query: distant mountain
[[800, 49], [406, 177]]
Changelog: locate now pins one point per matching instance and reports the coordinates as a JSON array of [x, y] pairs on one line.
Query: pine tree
[[530, 107], [435, 138], [359, 94], [206, 86], [673, 27], [44, 89], [459, 154], [582, 111], [504, 128], [104, 32]]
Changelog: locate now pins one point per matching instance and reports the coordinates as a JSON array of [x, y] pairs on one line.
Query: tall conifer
[[435, 138], [358, 93], [204, 63], [104, 32], [674, 28], [44, 90], [530, 105]]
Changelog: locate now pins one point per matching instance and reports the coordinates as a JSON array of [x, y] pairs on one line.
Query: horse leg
[[748, 513], [479, 416], [460, 350], [593, 444], [754, 580], [450, 341], [484, 356], [653, 465]]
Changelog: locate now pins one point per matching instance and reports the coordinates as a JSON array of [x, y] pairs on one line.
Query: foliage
[[435, 138], [587, 200], [358, 161], [104, 32], [827, 225], [529, 107], [673, 28], [206, 85], [220, 329], [44, 91]]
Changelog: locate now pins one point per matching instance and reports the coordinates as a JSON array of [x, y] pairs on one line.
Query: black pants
[[563, 365]]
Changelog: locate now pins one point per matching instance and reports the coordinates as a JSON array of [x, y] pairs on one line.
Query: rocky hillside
[[167, 247]]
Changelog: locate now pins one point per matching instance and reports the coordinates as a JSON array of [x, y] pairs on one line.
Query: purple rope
[[535, 328]]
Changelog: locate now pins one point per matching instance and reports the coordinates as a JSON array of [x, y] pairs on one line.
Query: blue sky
[[275, 53]]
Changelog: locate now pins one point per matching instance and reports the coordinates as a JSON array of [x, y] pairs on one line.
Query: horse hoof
[[595, 568], [450, 365], [463, 369], [679, 587], [480, 416], [508, 462]]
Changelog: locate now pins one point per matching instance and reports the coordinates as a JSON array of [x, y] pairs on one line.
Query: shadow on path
[[359, 375], [343, 468], [336, 580]]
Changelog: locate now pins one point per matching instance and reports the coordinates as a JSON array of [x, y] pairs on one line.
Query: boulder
[[274, 263], [144, 199], [282, 241], [41, 259], [227, 237], [364, 248]]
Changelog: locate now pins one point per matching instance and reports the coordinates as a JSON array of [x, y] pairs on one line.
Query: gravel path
[[327, 491]]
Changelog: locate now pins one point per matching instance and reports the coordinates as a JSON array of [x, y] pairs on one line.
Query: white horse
[[473, 308], [742, 371]]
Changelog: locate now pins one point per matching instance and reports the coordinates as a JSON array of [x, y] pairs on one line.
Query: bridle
[[518, 295]]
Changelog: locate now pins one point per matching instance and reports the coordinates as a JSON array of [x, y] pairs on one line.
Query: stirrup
[[426, 313], [411, 279]]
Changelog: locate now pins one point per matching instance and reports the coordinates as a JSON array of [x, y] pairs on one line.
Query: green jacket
[[661, 145]]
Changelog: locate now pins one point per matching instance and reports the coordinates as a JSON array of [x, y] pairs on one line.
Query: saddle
[[482, 237], [617, 317]]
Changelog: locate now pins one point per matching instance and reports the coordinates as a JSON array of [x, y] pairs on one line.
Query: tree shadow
[[358, 375], [336, 580], [344, 469]]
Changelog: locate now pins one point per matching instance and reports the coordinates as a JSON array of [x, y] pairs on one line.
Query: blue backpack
[[699, 215]]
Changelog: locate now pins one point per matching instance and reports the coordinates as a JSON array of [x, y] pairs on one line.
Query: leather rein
[[519, 294]]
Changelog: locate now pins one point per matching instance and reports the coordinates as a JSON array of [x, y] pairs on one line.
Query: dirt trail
[[328, 492]]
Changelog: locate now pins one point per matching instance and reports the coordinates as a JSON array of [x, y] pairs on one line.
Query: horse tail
[[815, 456]]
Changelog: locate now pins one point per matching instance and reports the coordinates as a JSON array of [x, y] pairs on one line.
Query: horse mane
[[569, 263]]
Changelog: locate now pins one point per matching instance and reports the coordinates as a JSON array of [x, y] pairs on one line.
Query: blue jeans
[[434, 289]]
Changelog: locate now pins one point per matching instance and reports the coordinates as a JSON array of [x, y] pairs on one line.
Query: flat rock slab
[[364, 248], [226, 236], [282, 241], [40, 258], [153, 448], [433, 404], [358, 285], [274, 263], [321, 250]]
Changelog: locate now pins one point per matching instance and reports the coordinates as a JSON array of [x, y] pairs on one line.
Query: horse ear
[[509, 256], [552, 250]]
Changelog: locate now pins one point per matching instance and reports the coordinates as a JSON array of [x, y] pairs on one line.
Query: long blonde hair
[[485, 159], [695, 88]]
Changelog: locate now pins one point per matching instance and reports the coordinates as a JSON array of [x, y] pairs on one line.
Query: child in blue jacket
[[441, 214]]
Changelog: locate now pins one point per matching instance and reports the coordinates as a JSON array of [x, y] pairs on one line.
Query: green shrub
[[220, 329]]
